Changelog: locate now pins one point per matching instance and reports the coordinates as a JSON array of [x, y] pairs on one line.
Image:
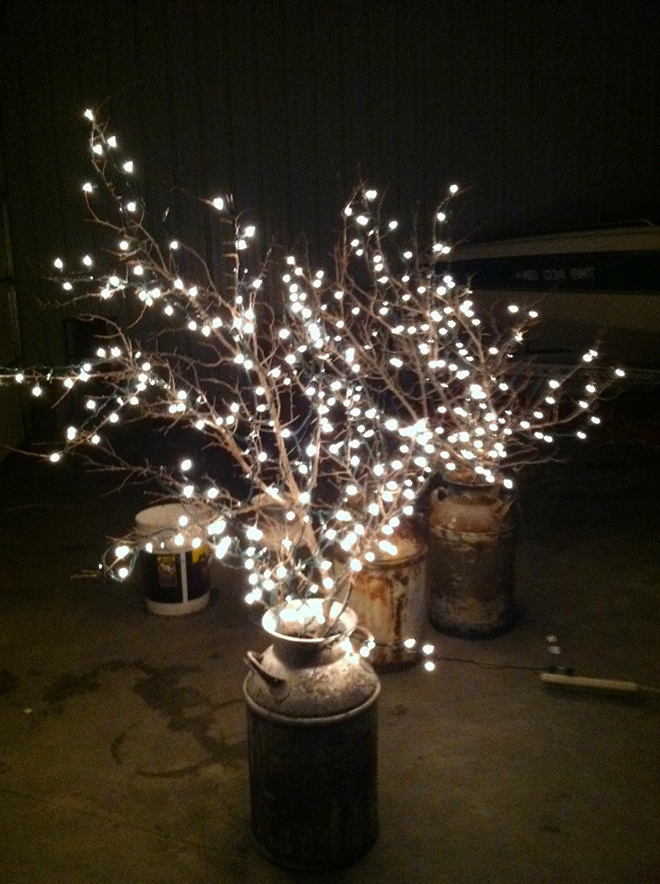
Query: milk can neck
[[304, 651]]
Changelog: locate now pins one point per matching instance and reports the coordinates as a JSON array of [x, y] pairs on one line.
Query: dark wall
[[547, 110]]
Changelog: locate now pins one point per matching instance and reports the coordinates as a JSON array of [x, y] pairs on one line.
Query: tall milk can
[[312, 747], [471, 560], [389, 597]]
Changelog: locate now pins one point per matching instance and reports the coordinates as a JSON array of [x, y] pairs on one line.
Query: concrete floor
[[122, 734]]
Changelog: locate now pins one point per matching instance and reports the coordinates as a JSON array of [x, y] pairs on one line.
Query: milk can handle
[[362, 632], [253, 662]]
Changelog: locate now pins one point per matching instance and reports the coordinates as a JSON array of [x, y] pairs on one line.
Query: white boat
[[587, 284]]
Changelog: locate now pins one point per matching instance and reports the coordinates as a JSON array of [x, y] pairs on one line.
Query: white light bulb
[[217, 527]]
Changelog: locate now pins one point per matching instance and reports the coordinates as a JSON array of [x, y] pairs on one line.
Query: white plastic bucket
[[175, 575]]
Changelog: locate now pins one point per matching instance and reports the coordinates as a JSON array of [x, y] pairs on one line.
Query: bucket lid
[[161, 524]]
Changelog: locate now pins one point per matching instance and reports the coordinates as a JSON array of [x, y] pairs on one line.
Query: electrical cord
[[491, 665], [564, 670]]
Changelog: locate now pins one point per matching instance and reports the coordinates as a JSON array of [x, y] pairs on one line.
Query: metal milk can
[[471, 560], [389, 596], [312, 746]]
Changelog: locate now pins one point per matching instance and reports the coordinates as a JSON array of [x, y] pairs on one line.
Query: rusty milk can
[[312, 745], [471, 560], [389, 596]]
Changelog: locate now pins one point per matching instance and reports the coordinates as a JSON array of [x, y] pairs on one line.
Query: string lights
[[334, 393], [458, 373]]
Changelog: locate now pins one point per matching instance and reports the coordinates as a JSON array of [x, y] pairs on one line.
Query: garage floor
[[122, 734]]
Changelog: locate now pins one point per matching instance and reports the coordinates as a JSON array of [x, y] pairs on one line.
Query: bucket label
[[166, 571]]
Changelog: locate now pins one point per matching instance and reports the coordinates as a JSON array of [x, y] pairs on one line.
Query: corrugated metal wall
[[11, 424], [548, 110]]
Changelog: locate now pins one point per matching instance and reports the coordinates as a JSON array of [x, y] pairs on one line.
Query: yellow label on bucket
[[199, 554]]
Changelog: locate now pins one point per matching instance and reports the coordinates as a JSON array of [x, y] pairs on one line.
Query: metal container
[[312, 747], [389, 596], [471, 560]]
